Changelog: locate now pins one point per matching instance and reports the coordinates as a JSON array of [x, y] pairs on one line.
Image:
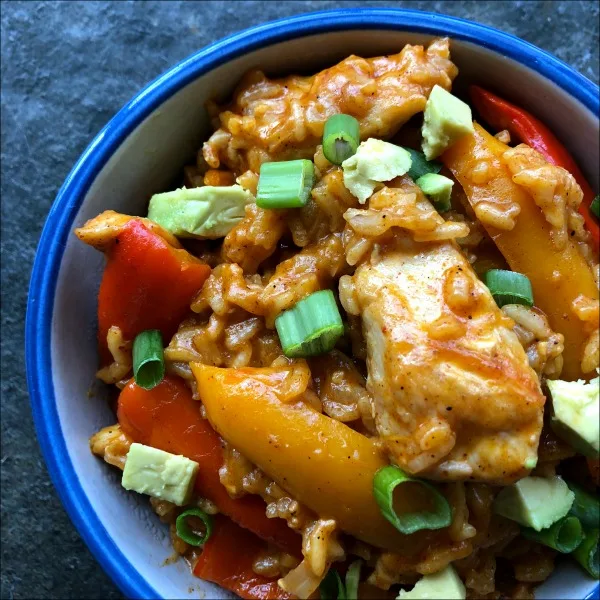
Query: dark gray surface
[[66, 69]]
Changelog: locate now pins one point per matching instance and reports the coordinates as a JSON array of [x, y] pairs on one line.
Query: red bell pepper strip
[[500, 114], [227, 559], [147, 284], [168, 418]]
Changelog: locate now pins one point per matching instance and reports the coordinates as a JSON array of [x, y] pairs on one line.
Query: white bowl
[[141, 152]]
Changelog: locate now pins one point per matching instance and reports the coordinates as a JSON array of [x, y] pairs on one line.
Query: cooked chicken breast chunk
[[282, 119], [454, 397]]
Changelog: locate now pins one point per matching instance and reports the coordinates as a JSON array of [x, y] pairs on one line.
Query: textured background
[[67, 67]]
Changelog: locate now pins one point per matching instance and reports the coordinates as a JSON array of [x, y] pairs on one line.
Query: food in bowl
[[356, 352]]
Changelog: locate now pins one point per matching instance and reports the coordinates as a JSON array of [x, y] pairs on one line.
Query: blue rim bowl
[[59, 223]]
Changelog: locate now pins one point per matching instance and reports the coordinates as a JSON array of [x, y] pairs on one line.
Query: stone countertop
[[67, 67]]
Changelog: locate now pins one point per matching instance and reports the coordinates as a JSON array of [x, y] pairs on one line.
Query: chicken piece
[[112, 444], [281, 119], [454, 397]]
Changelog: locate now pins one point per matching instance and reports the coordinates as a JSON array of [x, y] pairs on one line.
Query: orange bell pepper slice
[[227, 559], [557, 276], [322, 463], [147, 284], [168, 418], [522, 125]]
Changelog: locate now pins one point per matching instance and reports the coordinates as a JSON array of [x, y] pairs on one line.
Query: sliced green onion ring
[[341, 137], [564, 535], [588, 553], [331, 587], [311, 327], [386, 480], [595, 207], [285, 184], [509, 287], [148, 359], [586, 506], [352, 580], [420, 165], [184, 531]]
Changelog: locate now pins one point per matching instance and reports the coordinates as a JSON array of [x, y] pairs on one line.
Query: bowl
[[140, 152]]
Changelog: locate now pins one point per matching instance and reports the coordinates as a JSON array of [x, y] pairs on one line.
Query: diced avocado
[[437, 188], [204, 212], [577, 414], [446, 120], [443, 585], [159, 474], [375, 161], [535, 502]]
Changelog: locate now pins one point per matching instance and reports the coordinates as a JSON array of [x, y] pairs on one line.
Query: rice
[[272, 259]]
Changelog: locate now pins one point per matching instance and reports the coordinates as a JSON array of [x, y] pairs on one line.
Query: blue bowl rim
[[62, 214]]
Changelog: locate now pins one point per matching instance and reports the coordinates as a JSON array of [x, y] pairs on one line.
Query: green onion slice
[[564, 535], [148, 359], [352, 580], [341, 137], [586, 506], [588, 553], [420, 165], [285, 184], [311, 327], [386, 480], [595, 207], [331, 587], [189, 535], [509, 287]]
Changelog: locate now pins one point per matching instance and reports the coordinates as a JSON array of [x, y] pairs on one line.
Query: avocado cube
[[437, 188], [159, 474], [535, 502], [576, 416], [445, 121], [374, 162], [443, 585], [206, 212]]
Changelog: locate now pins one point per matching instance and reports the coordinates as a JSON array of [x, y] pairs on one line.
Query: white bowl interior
[[149, 160]]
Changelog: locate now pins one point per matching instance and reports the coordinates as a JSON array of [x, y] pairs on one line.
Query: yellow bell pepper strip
[[557, 276], [522, 125], [321, 462]]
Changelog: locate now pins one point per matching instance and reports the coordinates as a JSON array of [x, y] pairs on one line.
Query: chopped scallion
[[386, 480], [588, 553], [189, 535], [285, 184], [341, 137], [586, 506], [352, 580], [595, 207], [509, 287], [564, 535], [331, 587], [420, 165], [311, 327], [148, 359]]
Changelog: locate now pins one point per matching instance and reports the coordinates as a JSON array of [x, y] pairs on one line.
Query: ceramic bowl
[[141, 152]]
